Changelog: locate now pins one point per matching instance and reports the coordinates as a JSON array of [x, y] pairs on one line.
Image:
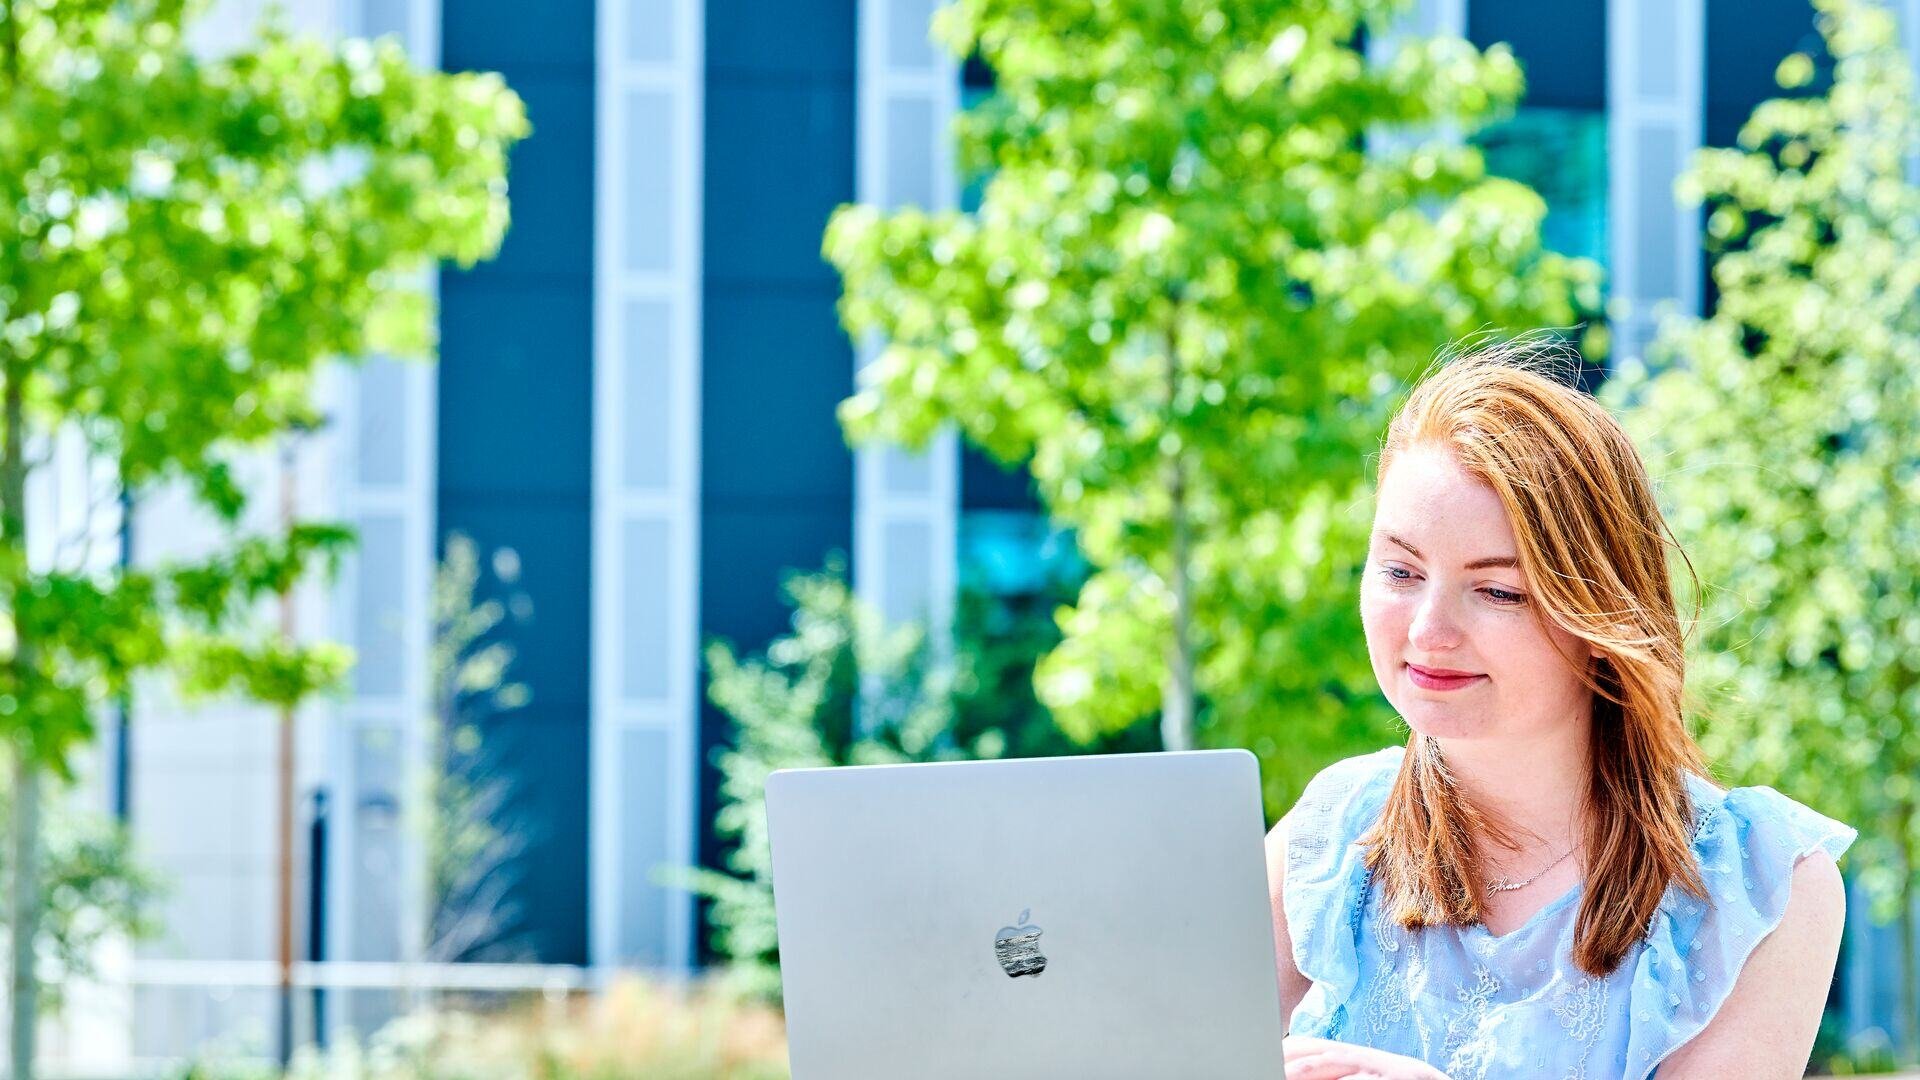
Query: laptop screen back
[[1100, 916]]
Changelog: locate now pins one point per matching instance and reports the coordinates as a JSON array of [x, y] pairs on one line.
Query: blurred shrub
[[800, 705], [473, 865], [1867, 1054], [92, 887], [633, 1029]]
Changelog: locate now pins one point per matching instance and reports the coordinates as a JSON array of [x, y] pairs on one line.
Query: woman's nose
[[1433, 626]]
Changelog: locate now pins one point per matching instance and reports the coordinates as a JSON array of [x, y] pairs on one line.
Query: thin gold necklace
[[1504, 885]]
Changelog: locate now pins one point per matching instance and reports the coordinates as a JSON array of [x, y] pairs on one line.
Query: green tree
[[183, 241], [1188, 299], [1786, 429]]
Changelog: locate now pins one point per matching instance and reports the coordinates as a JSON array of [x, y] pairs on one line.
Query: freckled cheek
[[1520, 657], [1385, 618]]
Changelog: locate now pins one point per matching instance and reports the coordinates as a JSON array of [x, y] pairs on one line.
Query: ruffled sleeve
[[1326, 881], [1747, 841]]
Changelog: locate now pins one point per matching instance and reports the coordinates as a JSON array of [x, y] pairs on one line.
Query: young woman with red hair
[[1543, 881]]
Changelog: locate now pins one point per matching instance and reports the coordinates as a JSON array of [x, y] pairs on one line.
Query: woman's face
[[1443, 592]]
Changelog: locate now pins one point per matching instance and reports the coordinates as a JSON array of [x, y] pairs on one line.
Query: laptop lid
[[1100, 916]]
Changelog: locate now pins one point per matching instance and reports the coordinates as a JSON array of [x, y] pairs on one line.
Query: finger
[[1330, 1066]]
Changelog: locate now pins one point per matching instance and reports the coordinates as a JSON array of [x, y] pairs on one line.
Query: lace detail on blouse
[[1581, 1009], [1467, 1048], [1387, 1002]]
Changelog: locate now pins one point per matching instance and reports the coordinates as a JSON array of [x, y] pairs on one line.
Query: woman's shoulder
[[1747, 842], [1361, 774], [1740, 824], [1326, 874], [1336, 806]]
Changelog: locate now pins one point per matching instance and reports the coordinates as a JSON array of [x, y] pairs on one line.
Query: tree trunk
[[23, 998], [26, 907], [1176, 709], [1177, 691]]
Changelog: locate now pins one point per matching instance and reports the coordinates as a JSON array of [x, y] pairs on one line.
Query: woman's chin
[[1441, 722]]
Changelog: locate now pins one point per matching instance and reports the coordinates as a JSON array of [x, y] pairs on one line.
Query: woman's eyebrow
[[1490, 561]]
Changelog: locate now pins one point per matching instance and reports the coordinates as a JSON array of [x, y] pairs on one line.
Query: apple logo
[[1018, 948]]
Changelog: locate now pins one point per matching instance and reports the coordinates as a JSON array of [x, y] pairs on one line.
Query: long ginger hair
[[1593, 545]]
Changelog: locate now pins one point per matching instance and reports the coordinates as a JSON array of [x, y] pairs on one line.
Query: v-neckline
[[1532, 920]]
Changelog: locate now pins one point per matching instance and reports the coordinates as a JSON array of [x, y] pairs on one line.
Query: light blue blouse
[[1474, 1005]]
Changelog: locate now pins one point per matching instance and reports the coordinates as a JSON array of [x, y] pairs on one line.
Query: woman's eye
[[1399, 576]]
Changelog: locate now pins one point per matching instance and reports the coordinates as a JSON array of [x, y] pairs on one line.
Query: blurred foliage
[[1000, 631], [800, 705], [1834, 1054], [472, 867], [632, 1029], [95, 890], [1785, 431], [1187, 302], [184, 240]]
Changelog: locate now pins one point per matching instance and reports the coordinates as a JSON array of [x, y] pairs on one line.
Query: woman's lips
[[1426, 679]]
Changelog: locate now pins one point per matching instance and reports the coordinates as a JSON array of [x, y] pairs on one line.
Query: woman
[[1542, 882]]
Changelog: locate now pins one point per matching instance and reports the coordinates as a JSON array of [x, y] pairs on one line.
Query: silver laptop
[[1101, 916]]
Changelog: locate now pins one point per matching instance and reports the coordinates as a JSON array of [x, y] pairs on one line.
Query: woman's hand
[[1309, 1058]]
